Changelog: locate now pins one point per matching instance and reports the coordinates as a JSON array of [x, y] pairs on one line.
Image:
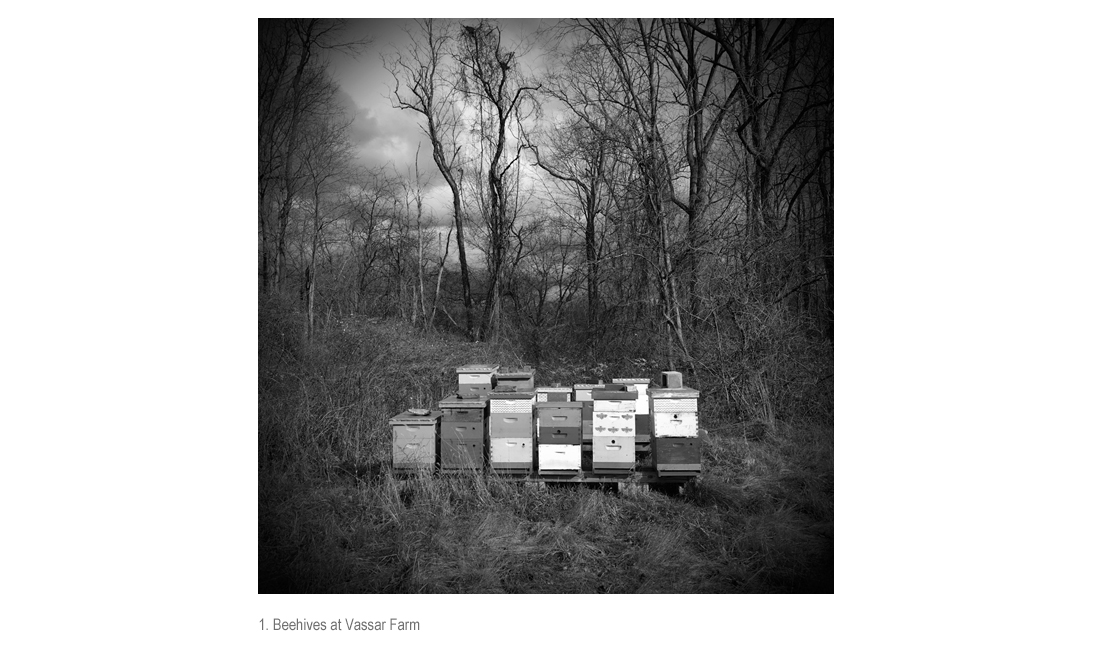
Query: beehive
[[511, 454], [521, 379], [558, 415], [676, 455], [639, 386], [613, 454], [510, 413], [613, 409], [613, 429], [584, 392], [674, 412], [554, 394], [558, 432], [559, 458], [476, 379], [414, 440], [463, 432]]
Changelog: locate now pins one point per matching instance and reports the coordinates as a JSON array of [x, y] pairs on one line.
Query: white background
[[963, 340]]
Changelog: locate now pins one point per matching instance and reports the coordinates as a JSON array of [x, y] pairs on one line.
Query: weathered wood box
[[521, 379], [414, 440], [476, 379]]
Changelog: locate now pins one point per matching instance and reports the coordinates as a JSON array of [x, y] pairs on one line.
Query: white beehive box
[[560, 457], [508, 453], [613, 424], [674, 412]]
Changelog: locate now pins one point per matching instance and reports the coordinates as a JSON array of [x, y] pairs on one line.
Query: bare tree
[[489, 75], [421, 86], [324, 155], [292, 84]]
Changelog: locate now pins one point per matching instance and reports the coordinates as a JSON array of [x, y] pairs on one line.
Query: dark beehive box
[[641, 428], [676, 455], [552, 435], [462, 430], [461, 454], [558, 414], [464, 417]]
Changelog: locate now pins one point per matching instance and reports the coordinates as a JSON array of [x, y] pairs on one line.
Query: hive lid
[[515, 372], [554, 390], [612, 394], [408, 416], [681, 392], [477, 368], [631, 381], [589, 386], [457, 401]]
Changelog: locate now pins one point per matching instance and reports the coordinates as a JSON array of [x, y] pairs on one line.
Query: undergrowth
[[333, 517]]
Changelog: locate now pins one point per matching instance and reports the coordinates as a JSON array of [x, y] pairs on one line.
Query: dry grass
[[332, 517]]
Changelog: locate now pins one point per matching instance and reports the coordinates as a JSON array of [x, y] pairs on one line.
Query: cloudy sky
[[387, 135]]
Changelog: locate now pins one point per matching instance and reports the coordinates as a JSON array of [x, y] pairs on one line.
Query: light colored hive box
[[559, 458], [613, 454], [522, 379], [613, 412], [511, 413], [613, 429], [476, 379], [674, 412], [414, 441], [511, 454]]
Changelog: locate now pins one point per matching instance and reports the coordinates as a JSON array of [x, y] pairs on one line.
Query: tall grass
[[333, 517]]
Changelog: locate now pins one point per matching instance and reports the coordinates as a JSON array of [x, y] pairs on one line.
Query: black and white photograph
[[546, 306], [534, 341]]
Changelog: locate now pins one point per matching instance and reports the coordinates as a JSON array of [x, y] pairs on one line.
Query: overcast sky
[[387, 135]]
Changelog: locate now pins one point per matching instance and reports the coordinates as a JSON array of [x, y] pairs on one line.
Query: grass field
[[332, 517]]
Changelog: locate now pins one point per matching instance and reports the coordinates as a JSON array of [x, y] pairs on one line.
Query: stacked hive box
[[554, 394], [642, 406], [414, 440], [463, 431], [521, 379], [584, 394], [613, 429], [558, 432], [511, 430], [477, 379], [675, 426]]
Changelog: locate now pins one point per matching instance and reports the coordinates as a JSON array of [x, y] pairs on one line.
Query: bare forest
[[594, 198]]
